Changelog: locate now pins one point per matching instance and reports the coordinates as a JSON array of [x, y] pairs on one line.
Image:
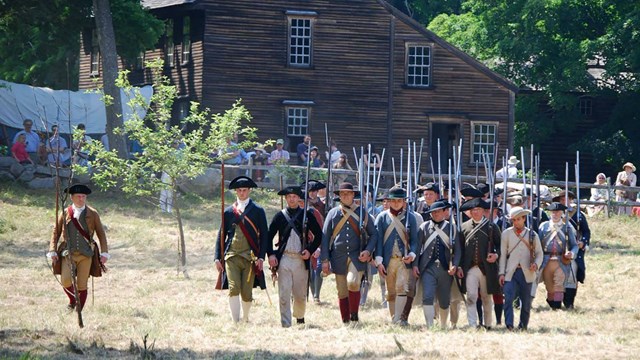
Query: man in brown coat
[[77, 224]]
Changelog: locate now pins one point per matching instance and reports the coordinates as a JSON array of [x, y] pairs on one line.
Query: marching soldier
[[291, 254], [438, 262], [315, 202], [78, 225], [245, 242], [521, 257], [583, 238], [559, 245], [347, 244], [396, 250], [481, 251]]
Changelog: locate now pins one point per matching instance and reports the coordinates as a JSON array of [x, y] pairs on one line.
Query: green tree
[[40, 40], [166, 148]]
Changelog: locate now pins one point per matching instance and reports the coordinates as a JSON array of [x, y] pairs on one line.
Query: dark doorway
[[449, 136]]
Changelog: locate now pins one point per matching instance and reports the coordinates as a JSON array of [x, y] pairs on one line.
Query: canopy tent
[[66, 108]]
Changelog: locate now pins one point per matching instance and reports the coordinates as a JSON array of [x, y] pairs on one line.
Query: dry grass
[[142, 297]]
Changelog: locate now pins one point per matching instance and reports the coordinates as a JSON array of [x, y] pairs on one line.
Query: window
[[297, 121], [170, 47], [483, 136], [418, 66], [140, 61], [95, 54], [586, 106], [300, 41], [186, 39]]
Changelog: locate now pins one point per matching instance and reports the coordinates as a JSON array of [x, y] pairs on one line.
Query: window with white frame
[[186, 39], [140, 61], [300, 41], [586, 105], [297, 121], [95, 53], [484, 136], [170, 46], [418, 65]]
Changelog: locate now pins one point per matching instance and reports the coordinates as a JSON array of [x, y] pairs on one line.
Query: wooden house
[[366, 70]]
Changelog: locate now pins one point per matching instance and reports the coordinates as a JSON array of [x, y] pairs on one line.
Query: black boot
[[354, 317], [569, 298], [300, 321], [498, 308]]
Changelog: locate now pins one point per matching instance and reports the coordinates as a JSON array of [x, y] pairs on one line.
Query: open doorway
[[449, 136]]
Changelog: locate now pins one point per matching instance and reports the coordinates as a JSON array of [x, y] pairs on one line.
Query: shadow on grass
[[599, 247], [37, 344]]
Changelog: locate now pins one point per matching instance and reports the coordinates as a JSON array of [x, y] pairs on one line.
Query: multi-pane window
[[186, 39], [297, 121], [95, 53], [418, 66], [586, 106], [140, 61], [170, 46], [300, 41], [484, 140]]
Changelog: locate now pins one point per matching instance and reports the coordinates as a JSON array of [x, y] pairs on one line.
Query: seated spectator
[[33, 144], [626, 177], [59, 152], [19, 151], [80, 156], [260, 157], [279, 156], [335, 154], [342, 163], [598, 195], [314, 159], [510, 170]]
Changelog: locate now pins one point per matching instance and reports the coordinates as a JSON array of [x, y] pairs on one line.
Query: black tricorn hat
[[78, 189], [483, 187], [345, 186], [474, 203], [562, 194], [438, 205], [296, 190], [397, 192], [556, 206], [471, 192], [314, 185], [242, 182], [431, 186]]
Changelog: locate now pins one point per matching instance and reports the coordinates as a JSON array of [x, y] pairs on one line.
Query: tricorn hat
[[431, 186], [474, 203], [483, 187], [296, 190], [314, 185], [78, 189], [562, 195], [345, 186], [397, 192], [242, 182], [438, 205], [471, 192], [556, 206]]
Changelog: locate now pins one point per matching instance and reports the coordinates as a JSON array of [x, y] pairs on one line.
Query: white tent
[[47, 107]]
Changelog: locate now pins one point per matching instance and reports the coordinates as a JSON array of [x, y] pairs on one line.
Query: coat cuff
[[106, 255], [378, 260], [412, 255], [51, 254]]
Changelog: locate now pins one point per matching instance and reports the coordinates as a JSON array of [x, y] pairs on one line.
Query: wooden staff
[[222, 233]]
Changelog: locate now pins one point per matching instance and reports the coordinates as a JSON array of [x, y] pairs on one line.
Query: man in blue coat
[[347, 245]]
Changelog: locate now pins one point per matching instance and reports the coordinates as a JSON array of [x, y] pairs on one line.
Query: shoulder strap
[[290, 222]]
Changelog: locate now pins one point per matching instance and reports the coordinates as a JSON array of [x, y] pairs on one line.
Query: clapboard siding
[[356, 82]]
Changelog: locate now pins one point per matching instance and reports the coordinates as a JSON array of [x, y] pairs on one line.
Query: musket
[[566, 214], [393, 167], [504, 194], [433, 170], [524, 181], [401, 162], [281, 197], [439, 167], [415, 165], [420, 160], [578, 194], [451, 237], [409, 198], [377, 178], [305, 237], [477, 180], [222, 234], [369, 176], [328, 204]]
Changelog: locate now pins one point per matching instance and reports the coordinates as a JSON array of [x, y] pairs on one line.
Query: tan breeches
[[397, 279], [553, 277], [240, 277], [348, 282], [83, 267]]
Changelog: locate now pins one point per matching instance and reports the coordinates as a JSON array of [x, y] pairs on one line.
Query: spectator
[[626, 178], [510, 169], [342, 163], [19, 151], [302, 150], [279, 156], [260, 157], [335, 154], [58, 150], [314, 159], [81, 157], [598, 195], [33, 144]]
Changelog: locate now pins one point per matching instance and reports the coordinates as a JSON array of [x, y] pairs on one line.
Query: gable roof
[[449, 47], [157, 4]]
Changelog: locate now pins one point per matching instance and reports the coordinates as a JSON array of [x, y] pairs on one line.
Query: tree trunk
[[109, 57], [182, 247]]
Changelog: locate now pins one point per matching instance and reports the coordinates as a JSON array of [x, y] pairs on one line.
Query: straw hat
[[513, 160], [633, 168]]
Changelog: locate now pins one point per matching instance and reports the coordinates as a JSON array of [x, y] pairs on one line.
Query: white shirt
[[241, 205]]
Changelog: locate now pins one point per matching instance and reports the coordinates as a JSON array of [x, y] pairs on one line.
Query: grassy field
[[142, 297]]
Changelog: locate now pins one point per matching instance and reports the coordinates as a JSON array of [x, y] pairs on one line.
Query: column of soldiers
[[479, 257]]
